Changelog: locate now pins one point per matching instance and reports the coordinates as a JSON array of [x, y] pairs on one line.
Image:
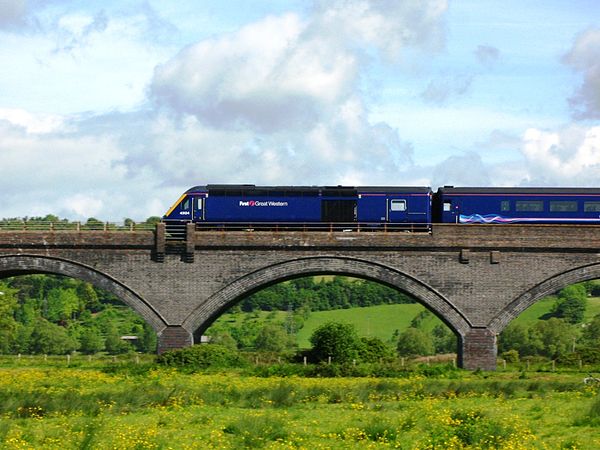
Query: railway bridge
[[476, 278]]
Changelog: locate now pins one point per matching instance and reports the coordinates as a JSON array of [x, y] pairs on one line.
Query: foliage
[[337, 293], [202, 356], [53, 314], [338, 341], [273, 338], [571, 303], [415, 342]]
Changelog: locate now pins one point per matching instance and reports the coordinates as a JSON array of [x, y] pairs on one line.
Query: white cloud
[[32, 123], [569, 156], [584, 57]]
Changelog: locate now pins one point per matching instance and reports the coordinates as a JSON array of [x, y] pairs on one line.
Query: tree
[[374, 349], [339, 341], [552, 338], [514, 337], [591, 333], [8, 325], [272, 338], [444, 340], [415, 342], [48, 338], [91, 341], [571, 303]]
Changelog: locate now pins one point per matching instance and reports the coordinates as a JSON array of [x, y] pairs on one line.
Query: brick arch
[[201, 318], [31, 264], [543, 289]]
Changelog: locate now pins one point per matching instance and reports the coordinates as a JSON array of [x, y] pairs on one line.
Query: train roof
[[251, 189], [519, 190]]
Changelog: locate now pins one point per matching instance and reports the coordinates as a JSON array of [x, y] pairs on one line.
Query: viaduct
[[476, 278]]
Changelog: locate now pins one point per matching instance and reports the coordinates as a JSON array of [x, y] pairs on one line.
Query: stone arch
[[540, 290], [201, 318], [31, 264]]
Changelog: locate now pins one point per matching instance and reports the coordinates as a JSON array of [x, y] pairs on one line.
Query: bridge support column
[[174, 337], [478, 350]]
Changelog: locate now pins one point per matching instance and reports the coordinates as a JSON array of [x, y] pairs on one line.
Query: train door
[[338, 211], [198, 209], [397, 210]]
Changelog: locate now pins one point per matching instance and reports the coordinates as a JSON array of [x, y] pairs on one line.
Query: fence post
[[304, 360], [329, 360]]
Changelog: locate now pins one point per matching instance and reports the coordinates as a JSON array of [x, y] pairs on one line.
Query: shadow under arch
[[14, 265], [543, 289], [203, 316]]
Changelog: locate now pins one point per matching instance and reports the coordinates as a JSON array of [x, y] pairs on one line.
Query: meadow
[[106, 405], [382, 321]]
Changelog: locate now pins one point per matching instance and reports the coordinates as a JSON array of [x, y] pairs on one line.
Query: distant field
[[544, 306], [381, 321]]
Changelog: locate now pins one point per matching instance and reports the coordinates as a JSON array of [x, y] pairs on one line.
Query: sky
[[112, 109]]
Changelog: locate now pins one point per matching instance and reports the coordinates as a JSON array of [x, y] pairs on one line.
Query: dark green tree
[[8, 325], [340, 341], [374, 349], [571, 303], [515, 337], [48, 338], [91, 341]]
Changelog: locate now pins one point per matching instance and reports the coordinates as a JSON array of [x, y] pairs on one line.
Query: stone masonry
[[475, 278]]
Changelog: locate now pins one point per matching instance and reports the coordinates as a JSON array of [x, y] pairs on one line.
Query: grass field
[[44, 407], [381, 321]]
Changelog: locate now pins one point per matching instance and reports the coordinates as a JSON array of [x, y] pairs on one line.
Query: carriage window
[[529, 206], [505, 205], [447, 206], [563, 206], [398, 205], [591, 206]]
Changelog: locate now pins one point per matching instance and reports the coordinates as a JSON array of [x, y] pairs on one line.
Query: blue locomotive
[[250, 206], [228, 206]]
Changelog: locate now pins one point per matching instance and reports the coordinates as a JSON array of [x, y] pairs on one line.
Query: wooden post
[[329, 360], [68, 359], [304, 360]]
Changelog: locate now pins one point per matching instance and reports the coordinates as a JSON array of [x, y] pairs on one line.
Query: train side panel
[[518, 205]]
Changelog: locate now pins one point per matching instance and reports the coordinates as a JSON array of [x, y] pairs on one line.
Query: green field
[[44, 407], [381, 321]]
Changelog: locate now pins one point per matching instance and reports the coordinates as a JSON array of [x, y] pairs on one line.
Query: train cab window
[[447, 206], [398, 205], [185, 204], [591, 206], [505, 205], [529, 206], [563, 206]]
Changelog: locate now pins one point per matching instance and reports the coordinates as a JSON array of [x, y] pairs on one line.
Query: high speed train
[[231, 206]]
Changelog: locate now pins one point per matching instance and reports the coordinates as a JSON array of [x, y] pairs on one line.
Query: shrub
[[202, 356], [339, 341]]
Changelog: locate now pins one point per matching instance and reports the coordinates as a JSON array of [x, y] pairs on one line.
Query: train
[[251, 207]]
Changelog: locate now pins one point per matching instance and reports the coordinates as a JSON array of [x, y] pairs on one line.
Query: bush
[[339, 341], [415, 342], [202, 356], [510, 356]]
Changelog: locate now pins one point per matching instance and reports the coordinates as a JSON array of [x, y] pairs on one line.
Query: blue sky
[[112, 109]]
